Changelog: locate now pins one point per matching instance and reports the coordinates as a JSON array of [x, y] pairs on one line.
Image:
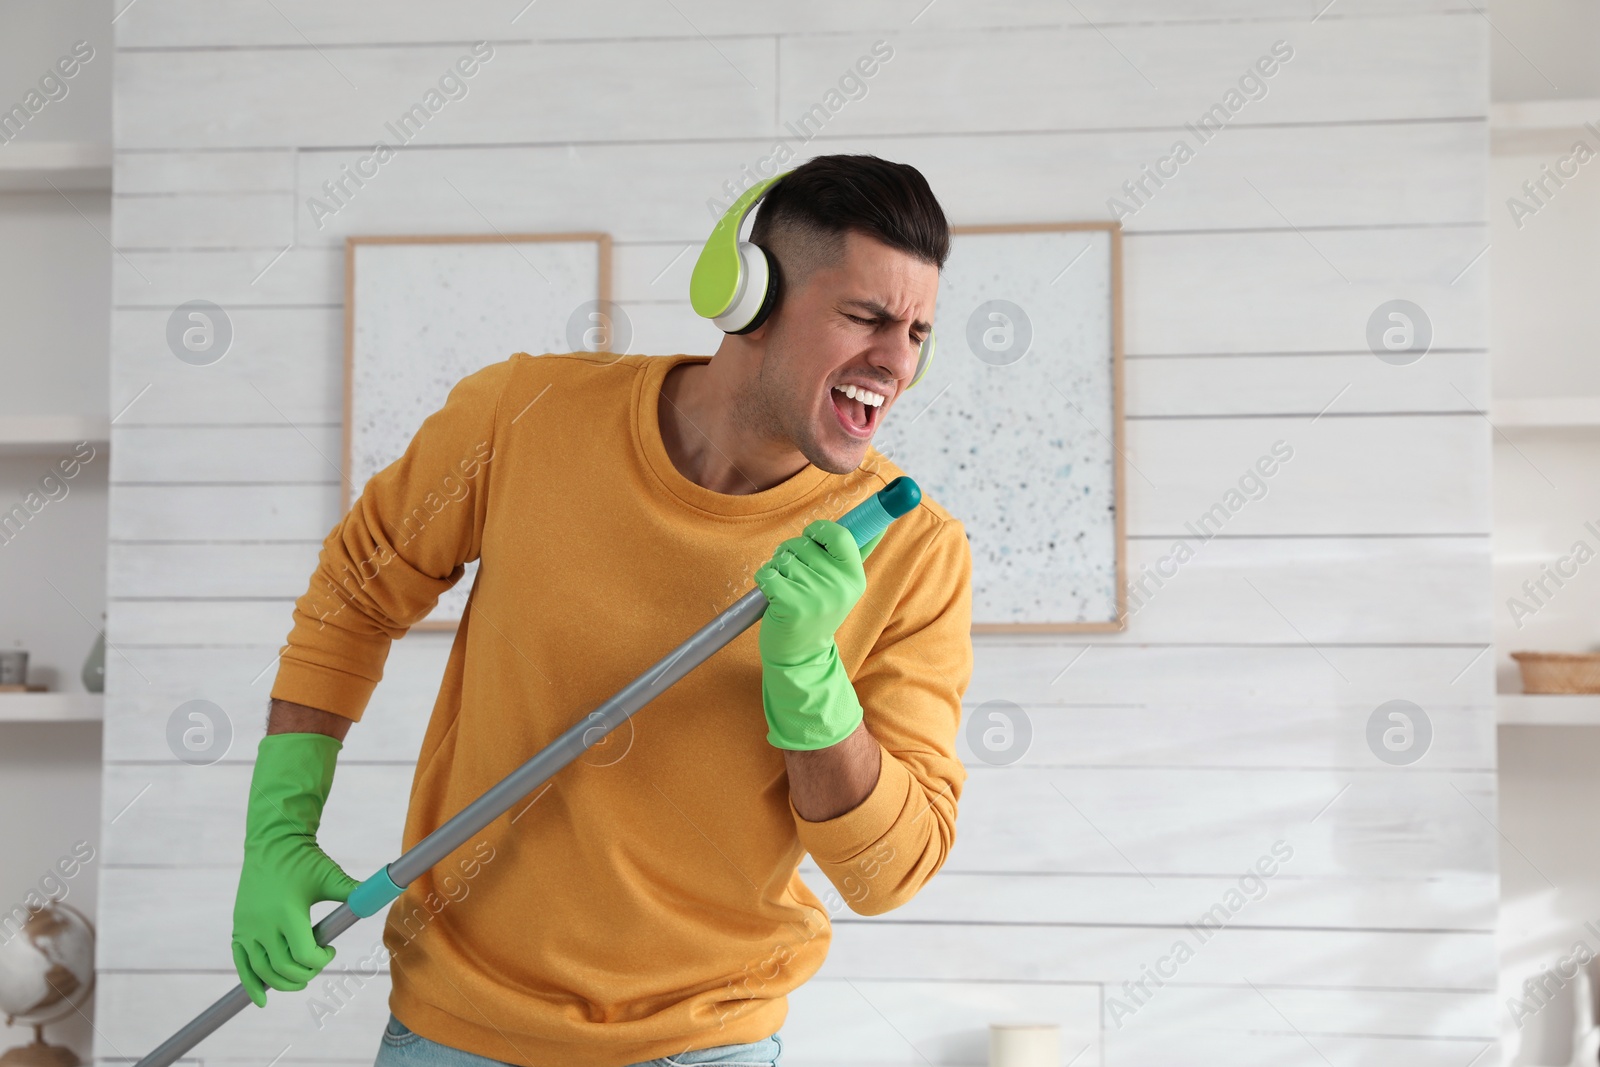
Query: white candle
[[1024, 1045]]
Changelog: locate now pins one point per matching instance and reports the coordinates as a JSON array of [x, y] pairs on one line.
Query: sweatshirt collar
[[647, 434]]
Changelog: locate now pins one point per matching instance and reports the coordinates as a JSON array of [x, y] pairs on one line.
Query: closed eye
[[879, 320]]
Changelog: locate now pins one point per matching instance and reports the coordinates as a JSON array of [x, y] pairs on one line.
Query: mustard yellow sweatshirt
[[647, 901]]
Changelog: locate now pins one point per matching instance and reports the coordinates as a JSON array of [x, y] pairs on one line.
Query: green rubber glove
[[811, 584], [285, 872]]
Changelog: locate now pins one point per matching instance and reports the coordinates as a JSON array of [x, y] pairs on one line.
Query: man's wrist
[[827, 783], [287, 717]]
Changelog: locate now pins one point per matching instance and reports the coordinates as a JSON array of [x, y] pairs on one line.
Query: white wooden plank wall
[[1164, 761]]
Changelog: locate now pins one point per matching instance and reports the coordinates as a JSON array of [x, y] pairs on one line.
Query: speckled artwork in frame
[[1013, 427], [428, 312]]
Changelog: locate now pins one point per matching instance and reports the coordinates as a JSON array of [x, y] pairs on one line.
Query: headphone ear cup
[[924, 357], [769, 297]]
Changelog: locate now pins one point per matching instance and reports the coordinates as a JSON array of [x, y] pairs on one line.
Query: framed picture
[[1017, 426], [421, 313]]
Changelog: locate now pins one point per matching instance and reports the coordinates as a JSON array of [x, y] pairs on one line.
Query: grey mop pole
[[865, 521]]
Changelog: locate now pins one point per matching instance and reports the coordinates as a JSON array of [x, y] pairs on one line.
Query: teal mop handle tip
[[899, 496], [873, 515]]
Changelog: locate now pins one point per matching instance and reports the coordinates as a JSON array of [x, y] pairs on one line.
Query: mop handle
[[865, 521]]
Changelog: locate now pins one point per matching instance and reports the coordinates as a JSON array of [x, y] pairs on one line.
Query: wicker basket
[[1559, 672]]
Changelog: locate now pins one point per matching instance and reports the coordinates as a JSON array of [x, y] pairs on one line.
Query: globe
[[46, 974]]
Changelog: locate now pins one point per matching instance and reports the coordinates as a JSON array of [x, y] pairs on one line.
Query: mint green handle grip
[[375, 894]]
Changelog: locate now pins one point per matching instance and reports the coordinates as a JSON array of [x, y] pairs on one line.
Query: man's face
[[858, 322]]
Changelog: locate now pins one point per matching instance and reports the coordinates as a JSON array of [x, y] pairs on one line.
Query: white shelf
[[1547, 709], [1536, 126], [25, 434], [1549, 411], [36, 165], [51, 707]]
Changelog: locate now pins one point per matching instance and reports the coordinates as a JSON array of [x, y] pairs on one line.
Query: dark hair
[[829, 195]]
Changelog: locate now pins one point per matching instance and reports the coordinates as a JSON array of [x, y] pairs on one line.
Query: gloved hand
[[811, 583], [285, 872]]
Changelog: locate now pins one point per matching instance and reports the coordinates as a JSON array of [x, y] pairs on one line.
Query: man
[[646, 904]]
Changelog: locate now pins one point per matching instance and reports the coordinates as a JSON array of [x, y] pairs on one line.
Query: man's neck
[[704, 439]]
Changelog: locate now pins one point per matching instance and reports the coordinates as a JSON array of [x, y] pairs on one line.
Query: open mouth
[[858, 410]]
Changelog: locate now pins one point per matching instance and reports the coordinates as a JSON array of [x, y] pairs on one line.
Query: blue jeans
[[403, 1048]]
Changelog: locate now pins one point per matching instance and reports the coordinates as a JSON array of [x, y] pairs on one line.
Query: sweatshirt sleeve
[[881, 852], [403, 543]]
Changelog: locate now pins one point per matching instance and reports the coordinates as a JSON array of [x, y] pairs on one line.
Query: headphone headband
[[735, 283]]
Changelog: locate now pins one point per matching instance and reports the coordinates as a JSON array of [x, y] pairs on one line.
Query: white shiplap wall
[[1164, 760]]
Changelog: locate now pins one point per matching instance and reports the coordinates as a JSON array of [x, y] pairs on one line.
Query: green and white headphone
[[734, 283]]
